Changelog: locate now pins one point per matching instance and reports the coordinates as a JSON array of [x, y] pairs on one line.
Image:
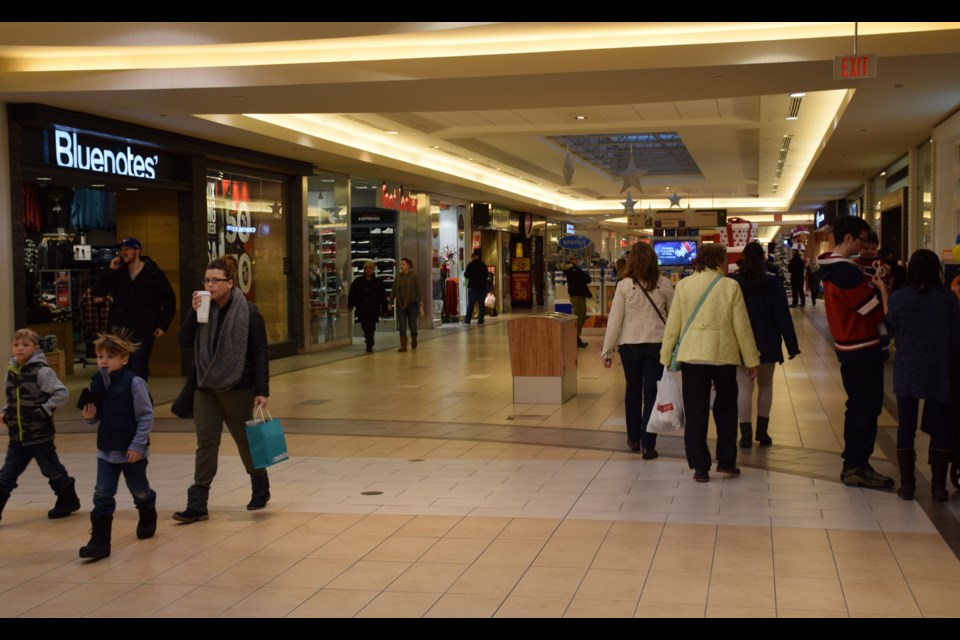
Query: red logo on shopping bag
[[663, 408]]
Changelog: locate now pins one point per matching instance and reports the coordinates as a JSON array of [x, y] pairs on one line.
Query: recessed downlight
[[799, 94], [579, 117], [392, 133]]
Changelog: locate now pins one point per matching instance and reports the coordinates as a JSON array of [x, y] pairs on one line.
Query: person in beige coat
[[718, 340]]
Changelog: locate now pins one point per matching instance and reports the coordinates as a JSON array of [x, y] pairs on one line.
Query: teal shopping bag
[[267, 444]]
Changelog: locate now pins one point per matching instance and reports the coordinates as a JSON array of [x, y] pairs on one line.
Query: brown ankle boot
[[413, 341], [906, 460], [403, 344], [939, 461]]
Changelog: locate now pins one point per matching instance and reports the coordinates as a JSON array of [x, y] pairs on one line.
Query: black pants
[[697, 379], [140, 359], [369, 329], [797, 286], [862, 376]]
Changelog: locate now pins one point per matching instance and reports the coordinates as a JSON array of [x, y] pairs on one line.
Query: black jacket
[[256, 367], [143, 304], [476, 275], [577, 281], [368, 298], [769, 317]]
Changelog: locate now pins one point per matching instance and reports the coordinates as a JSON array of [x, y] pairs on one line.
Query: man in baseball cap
[[143, 300]]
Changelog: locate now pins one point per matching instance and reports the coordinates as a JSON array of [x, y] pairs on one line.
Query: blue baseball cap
[[133, 243]]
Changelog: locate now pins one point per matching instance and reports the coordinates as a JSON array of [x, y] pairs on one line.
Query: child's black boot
[[99, 545], [67, 501]]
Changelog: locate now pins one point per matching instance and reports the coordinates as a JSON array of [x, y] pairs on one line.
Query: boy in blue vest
[[33, 393], [122, 405]]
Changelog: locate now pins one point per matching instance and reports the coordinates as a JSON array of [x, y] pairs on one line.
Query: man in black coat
[[578, 290], [476, 275], [143, 300], [797, 268], [369, 299]]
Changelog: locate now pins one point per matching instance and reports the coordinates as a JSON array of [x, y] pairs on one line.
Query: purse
[[182, 406], [674, 363], [266, 441]]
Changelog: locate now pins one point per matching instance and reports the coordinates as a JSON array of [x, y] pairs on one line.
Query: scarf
[[221, 353]]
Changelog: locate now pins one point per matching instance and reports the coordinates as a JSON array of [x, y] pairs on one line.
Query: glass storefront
[[449, 257], [245, 219], [328, 258]]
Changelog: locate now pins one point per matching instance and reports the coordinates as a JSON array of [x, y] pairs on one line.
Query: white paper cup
[[203, 311]]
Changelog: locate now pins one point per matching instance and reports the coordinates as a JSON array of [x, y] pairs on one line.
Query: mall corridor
[[417, 488]]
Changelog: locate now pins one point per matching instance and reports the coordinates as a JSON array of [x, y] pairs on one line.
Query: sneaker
[[724, 470], [701, 475], [866, 477], [649, 453]]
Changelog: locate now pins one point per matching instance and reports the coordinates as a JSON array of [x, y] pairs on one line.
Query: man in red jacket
[[855, 306]]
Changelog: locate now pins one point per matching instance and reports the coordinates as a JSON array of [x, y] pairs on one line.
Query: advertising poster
[[230, 227]]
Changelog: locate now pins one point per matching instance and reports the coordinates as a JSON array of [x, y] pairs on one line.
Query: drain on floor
[[415, 460], [371, 493]]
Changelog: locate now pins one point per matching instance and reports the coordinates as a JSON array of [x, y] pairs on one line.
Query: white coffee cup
[[203, 311]]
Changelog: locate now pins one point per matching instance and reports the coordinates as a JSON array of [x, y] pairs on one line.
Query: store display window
[[245, 219], [328, 258]]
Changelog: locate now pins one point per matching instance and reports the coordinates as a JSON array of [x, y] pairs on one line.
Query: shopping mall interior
[[417, 485]]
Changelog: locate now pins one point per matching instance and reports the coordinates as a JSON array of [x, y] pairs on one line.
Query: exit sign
[[855, 67]]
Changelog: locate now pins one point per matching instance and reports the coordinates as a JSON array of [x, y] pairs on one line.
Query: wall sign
[[69, 152], [574, 243]]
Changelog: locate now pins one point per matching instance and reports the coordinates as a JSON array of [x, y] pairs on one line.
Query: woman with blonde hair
[[635, 327], [709, 319]]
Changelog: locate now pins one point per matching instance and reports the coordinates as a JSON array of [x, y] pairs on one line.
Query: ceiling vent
[[793, 112]]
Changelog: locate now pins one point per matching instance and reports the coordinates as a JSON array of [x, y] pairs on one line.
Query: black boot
[[939, 461], [762, 437], [4, 496], [196, 505], [99, 545], [260, 492], [67, 501], [907, 460], [147, 526], [746, 435]]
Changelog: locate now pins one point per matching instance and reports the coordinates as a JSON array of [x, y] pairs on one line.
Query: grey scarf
[[220, 358]]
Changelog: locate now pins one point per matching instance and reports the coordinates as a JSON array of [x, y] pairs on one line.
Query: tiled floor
[[417, 488]]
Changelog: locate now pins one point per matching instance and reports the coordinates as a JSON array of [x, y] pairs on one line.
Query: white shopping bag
[[667, 416]]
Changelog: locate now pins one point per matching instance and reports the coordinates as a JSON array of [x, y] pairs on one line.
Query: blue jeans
[[862, 376], [19, 456], [476, 296], [408, 316], [936, 422], [642, 370], [108, 478]]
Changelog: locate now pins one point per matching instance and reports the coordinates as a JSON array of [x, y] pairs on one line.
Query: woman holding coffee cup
[[230, 352]]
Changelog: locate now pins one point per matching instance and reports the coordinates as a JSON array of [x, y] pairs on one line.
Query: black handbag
[[182, 407]]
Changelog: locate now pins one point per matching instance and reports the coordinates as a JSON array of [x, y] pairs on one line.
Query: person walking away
[[709, 319], [368, 298], [772, 326], [125, 417], [855, 309], [476, 275], [578, 290], [33, 394], [635, 329], [143, 300], [924, 317], [813, 279], [796, 268], [406, 299], [233, 380]]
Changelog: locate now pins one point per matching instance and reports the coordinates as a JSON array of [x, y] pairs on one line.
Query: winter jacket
[[854, 309], [143, 304], [33, 393], [476, 275], [770, 317], [406, 290], [720, 333], [632, 318], [368, 298], [125, 413], [577, 281]]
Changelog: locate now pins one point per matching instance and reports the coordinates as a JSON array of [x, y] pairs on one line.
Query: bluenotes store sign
[[73, 152]]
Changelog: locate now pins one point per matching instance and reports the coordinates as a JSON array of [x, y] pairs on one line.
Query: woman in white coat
[[635, 325]]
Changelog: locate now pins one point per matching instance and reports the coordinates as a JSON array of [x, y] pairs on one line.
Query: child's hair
[[119, 343], [26, 334]]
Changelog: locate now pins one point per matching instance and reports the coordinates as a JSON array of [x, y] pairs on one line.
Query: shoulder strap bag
[[674, 363], [653, 304]]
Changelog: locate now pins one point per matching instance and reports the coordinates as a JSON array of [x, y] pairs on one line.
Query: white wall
[[946, 183]]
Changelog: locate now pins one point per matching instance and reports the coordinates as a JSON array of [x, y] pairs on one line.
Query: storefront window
[[328, 258], [449, 257], [925, 183], [245, 219]]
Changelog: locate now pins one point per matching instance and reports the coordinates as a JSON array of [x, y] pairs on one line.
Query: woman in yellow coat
[[717, 340]]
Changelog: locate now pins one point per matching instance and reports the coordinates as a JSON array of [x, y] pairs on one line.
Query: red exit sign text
[[855, 67]]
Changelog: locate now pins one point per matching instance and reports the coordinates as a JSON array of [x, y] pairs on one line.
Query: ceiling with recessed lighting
[[489, 111]]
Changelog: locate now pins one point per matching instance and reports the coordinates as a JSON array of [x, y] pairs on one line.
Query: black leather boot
[[260, 492], [4, 496], [147, 526], [99, 545], [746, 435], [907, 460], [196, 505], [762, 437], [67, 502], [939, 461]]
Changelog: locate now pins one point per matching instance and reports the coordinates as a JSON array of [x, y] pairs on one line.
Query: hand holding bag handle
[[266, 440], [674, 363]]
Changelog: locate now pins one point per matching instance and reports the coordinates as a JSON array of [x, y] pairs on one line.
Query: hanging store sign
[[696, 218], [574, 243], [855, 67]]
